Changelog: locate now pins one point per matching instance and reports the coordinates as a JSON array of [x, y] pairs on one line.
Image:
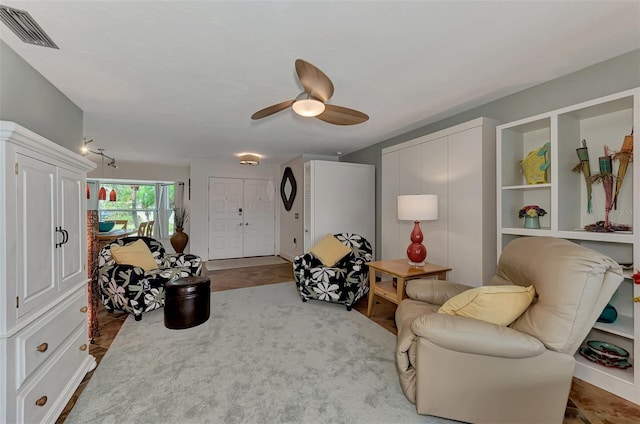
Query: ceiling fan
[[318, 88]]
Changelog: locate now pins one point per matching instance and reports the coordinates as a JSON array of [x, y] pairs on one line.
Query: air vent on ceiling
[[25, 27]]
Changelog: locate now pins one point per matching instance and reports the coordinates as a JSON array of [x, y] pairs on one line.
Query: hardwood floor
[[587, 404]]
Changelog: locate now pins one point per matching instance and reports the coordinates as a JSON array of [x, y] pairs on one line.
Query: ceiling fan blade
[[314, 81], [272, 109], [339, 115]]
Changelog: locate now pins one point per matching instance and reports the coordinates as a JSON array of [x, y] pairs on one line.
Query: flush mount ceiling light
[[249, 159], [308, 107]]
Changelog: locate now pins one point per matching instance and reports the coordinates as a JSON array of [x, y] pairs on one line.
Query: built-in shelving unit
[[601, 122]]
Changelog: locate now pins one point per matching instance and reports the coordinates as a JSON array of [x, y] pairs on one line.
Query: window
[[140, 202]]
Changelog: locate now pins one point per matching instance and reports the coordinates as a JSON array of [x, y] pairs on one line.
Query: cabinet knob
[[42, 401], [83, 347], [83, 309], [42, 347], [636, 299]]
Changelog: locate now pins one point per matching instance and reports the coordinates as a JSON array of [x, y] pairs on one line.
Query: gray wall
[[30, 100], [618, 74]]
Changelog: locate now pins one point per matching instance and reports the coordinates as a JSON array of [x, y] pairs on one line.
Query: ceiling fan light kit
[[308, 107], [318, 89]]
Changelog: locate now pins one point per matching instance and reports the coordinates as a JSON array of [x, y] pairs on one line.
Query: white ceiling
[[176, 81]]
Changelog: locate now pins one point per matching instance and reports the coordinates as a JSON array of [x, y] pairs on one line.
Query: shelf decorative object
[[535, 165], [624, 156], [585, 167], [605, 176], [531, 215]]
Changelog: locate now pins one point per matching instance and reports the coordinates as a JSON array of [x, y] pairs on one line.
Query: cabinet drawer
[[40, 398], [39, 341]]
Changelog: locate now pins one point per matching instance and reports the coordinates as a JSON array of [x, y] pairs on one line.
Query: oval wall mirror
[[288, 188]]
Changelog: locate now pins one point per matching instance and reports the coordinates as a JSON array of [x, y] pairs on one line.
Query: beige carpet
[[263, 357], [243, 262]]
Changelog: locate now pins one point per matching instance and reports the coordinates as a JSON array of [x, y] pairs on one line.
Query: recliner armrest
[[468, 335], [436, 292]]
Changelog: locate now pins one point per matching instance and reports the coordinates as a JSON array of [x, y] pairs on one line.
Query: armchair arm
[[436, 292], [122, 275], [121, 287], [468, 335], [301, 266], [184, 260], [357, 265]]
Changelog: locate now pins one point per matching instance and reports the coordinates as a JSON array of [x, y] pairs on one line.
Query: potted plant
[[179, 239], [531, 215]]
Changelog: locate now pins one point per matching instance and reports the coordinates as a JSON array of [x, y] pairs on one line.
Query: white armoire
[[44, 351], [339, 197], [457, 164]]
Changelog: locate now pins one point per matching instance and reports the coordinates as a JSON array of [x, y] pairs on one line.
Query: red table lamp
[[416, 208]]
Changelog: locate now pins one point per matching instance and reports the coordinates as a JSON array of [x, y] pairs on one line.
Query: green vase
[[532, 222]]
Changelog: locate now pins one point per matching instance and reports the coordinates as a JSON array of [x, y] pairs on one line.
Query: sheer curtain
[[166, 206]]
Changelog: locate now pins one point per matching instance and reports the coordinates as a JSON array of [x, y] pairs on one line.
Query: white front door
[[259, 217], [225, 218], [241, 218]]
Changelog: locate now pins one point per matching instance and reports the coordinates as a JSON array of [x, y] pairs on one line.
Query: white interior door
[[225, 218], [259, 218]]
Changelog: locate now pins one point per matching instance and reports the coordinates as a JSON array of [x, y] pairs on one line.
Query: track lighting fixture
[[85, 151]]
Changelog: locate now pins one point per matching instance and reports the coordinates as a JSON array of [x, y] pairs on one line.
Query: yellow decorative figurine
[[535, 165]]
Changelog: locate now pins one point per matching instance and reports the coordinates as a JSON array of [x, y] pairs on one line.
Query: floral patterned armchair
[[134, 290], [345, 282]]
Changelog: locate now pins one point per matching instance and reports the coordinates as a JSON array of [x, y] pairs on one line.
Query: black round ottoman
[[187, 302]]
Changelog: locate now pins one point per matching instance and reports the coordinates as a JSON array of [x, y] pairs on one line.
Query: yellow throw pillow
[[497, 304], [329, 250], [136, 254]]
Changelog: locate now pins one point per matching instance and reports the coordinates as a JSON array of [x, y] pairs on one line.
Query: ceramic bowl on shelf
[[105, 226], [603, 360], [607, 350]]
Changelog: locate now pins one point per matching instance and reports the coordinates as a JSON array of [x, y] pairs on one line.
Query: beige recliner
[[475, 371]]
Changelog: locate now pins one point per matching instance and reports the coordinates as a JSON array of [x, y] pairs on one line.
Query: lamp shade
[[418, 207]]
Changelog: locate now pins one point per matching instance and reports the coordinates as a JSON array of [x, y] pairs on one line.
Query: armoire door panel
[[390, 236], [466, 211], [410, 173], [37, 233], [72, 252], [433, 157]]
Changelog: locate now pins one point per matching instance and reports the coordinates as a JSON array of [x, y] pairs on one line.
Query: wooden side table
[[400, 269]]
